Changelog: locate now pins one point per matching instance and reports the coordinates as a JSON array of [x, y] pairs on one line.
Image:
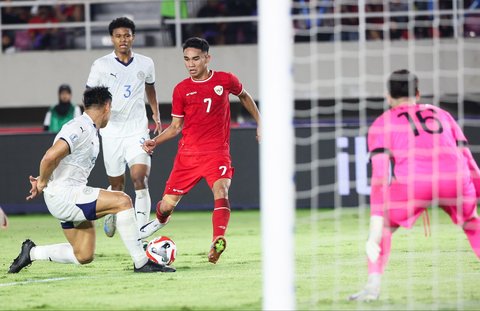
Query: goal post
[[277, 188]]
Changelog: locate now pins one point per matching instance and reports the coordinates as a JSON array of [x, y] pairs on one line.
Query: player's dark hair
[[196, 43], [402, 83], [97, 96], [121, 22]]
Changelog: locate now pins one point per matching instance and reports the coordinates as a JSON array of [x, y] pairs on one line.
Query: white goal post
[[277, 189]]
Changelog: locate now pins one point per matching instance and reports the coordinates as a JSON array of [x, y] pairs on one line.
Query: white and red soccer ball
[[162, 250]]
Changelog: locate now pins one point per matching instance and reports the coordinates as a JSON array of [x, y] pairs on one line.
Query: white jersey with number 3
[[126, 82]]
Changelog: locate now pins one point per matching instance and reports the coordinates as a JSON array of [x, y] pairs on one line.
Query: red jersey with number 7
[[205, 109]]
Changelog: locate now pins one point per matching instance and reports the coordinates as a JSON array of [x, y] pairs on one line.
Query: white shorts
[[121, 151], [72, 205]]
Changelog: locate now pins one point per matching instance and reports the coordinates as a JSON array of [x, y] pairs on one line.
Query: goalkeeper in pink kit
[[419, 156]]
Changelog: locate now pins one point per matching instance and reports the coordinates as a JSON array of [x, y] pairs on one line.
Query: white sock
[[127, 227], [152, 227], [61, 253], [143, 206], [374, 282]]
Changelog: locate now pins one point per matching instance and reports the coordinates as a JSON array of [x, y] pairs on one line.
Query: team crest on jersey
[[141, 75], [218, 89], [73, 137]]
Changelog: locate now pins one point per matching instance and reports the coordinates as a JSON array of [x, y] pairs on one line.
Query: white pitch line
[[36, 281]]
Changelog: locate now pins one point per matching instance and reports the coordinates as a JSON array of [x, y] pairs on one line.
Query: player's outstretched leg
[[472, 231], [127, 228], [218, 247], [153, 226], [371, 291], [23, 259]]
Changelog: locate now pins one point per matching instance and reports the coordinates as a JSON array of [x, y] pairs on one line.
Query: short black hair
[[64, 88], [402, 83], [121, 22], [196, 43], [97, 96]]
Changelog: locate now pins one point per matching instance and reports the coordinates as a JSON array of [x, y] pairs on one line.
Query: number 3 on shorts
[[223, 168]]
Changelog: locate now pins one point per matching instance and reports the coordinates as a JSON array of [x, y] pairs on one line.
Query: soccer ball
[[162, 250]]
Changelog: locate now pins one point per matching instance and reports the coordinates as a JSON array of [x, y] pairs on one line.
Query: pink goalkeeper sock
[[385, 246], [472, 230]]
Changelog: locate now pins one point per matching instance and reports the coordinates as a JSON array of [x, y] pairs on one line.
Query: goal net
[[343, 52]]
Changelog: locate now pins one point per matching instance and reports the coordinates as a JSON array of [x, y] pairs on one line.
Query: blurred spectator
[[167, 12], [62, 112], [445, 28], [324, 25], [69, 13], [423, 23], [214, 33], [374, 33], [472, 20], [11, 39], [398, 24], [8, 42], [349, 22], [45, 38], [244, 32]]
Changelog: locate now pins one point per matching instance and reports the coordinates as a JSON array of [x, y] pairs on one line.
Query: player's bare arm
[[49, 162], [249, 104], [152, 100], [170, 132]]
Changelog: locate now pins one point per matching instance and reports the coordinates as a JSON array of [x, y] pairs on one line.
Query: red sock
[[162, 217], [220, 217]]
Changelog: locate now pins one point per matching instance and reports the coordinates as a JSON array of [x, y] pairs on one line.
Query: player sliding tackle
[[432, 163], [64, 170], [201, 112]]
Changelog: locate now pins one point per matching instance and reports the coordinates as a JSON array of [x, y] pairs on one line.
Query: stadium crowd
[[219, 33]]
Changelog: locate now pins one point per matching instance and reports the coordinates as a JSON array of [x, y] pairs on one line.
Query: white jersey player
[[64, 172], [128, 76]]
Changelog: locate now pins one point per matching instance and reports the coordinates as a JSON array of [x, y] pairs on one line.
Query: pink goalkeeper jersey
[[205, 108], [421, 135]]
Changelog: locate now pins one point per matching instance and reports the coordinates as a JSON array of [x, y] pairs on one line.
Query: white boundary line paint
[[40, 281]]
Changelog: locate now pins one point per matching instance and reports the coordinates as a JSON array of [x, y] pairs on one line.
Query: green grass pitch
[[438, 272]]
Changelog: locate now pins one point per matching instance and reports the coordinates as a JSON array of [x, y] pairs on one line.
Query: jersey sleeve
[[150, 76], [456, 130], [94, 76], [376, 137], [178, 103], [236, 86], [70, 133]]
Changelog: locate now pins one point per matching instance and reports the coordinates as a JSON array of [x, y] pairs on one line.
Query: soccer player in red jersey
[[430, 163], [201, 112]]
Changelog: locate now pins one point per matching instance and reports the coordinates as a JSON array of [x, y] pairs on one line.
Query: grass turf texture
[[440, 272]]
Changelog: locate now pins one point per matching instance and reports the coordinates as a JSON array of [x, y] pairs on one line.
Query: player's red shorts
[[402, 208], [188, 170]]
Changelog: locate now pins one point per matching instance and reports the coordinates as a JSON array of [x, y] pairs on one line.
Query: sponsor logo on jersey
[[87, 190], [191, 93], [177, 190], [141, 75], [218, 89], [113, 74]]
